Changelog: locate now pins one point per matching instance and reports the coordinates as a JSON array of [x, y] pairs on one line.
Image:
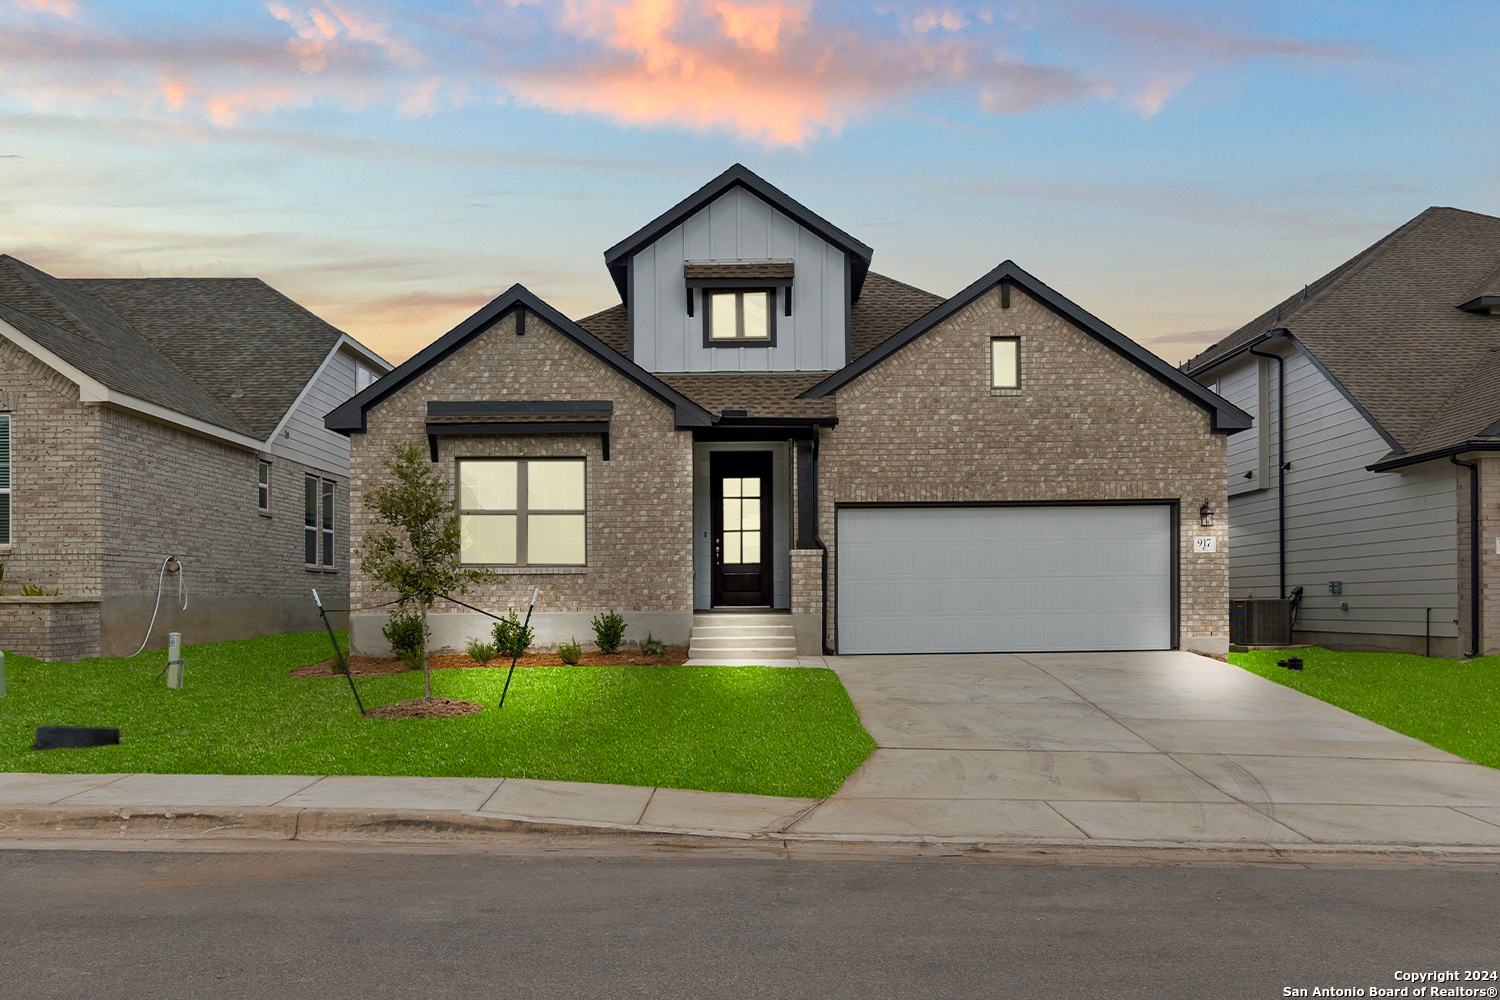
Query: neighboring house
[[143, 418], [995, 471], [1356, 484]]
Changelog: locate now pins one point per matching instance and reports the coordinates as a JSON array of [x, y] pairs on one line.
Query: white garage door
[[999, 579]]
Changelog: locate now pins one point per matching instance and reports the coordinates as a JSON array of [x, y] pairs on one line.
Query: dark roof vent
[[1484, 298]]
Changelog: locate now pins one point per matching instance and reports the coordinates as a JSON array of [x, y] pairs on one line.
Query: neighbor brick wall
[[167, 491], [55, 482], [49, 628], [924, 426], [639, 504]]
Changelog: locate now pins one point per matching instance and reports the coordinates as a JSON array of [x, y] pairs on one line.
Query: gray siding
[[1248, 387], [1390, 538], [738, 225], [306, 439]]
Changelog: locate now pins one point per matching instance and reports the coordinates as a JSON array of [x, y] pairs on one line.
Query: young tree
[[419, 559]]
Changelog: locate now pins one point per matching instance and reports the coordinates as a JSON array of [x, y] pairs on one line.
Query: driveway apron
[[1155, 747]]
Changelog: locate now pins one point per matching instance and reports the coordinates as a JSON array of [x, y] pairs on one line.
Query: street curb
[[453, 826]]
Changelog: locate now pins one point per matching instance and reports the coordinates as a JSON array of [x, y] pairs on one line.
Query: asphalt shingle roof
[[1387, 325], [885, 307], [232, 352]]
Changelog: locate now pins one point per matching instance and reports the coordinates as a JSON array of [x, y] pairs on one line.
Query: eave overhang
[[617, 257]]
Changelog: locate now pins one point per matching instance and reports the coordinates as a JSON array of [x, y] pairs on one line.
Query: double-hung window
[[263, 477], [317, 522], [522, 512], [4, 478]]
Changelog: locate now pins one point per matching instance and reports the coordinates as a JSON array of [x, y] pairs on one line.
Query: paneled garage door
[[937, 579]]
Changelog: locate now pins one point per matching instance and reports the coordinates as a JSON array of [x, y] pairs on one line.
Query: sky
[[1175, 168]]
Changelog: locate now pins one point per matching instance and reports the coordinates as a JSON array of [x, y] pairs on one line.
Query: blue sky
[[1175, 168]]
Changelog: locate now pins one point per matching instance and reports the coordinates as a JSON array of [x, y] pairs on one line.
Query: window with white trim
[[317, 522], [5, 479], [522, 512], [1005, 362], [263, 485]]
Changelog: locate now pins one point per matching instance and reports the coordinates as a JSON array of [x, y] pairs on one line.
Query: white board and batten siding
[[302, 437], [739, 226], [1389, 538], [935, 579]]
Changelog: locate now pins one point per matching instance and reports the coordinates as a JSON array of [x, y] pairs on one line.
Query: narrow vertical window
[[363, 376], [4, 478], [263, 476], [328, 486], [310, 520], [1005, 362]]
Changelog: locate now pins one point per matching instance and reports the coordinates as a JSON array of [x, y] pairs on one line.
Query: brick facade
[[101, 496], [924, 426], [638, 504]]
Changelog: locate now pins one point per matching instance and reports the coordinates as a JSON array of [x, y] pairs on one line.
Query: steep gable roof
[[617, 257], [350, 418], [248, 346], [1227, 418], [85, 333], [1388, 328]]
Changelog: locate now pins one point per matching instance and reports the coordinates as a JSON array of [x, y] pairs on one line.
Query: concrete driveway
[[1136, 747]]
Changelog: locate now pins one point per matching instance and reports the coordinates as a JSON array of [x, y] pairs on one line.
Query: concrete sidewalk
[[1119, 749]]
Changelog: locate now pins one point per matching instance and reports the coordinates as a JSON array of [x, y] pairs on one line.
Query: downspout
[[1280, 464], [818, 541], [1473, 468]]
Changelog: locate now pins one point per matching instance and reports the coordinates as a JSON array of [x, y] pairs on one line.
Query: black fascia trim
[[600, 427], [350, 417], [1226, 417], [1417, 458], [1482, 302], [482, 407], [1235, 352], [736, 176]]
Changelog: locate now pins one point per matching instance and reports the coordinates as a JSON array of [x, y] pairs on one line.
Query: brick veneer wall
[[807, 581], [49, 628], [1086, 424], [55, 479], [1489, 558], [639, 503]]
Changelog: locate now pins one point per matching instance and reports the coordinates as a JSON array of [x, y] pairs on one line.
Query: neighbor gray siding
[[739, 225], [303, 438], [1389, 538]]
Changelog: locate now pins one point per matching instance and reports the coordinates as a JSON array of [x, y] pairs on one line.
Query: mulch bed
[[370, 666], [425, 708]]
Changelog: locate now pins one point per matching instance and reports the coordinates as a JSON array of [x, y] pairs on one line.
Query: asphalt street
[[285, 923]]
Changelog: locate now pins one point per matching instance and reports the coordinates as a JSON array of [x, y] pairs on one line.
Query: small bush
[[651, 646], [407, 636], [34, 590], [570, 652], [609, 631], [512, 638], [481, 652]]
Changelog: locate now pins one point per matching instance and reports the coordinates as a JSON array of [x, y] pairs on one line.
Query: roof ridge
[[1372, 253], [28, 274]]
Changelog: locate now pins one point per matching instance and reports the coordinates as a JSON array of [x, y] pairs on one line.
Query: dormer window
[[739, 316], [739, 299]]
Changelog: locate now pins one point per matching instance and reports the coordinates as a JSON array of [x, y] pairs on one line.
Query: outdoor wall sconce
[[1206, 515]]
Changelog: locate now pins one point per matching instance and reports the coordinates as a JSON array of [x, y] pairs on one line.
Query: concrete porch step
[[739, 642], [743, 631]]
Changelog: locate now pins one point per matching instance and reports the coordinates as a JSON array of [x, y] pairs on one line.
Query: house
[[1377, 396], [164, 436], [763, 424]]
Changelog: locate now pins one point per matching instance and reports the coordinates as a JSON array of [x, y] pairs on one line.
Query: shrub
[[35, 590], [481, 652], [609, 631], [407, 634], [570, 652], [651, 646], [511, 636]]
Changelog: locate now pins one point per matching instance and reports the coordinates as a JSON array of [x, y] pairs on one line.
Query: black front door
[[740, 491]]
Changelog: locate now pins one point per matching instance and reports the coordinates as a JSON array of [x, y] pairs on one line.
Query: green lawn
[[733, 729], [1453, 706]]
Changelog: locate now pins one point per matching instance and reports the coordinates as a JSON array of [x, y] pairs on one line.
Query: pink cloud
[[62, 8], [759, 68]]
